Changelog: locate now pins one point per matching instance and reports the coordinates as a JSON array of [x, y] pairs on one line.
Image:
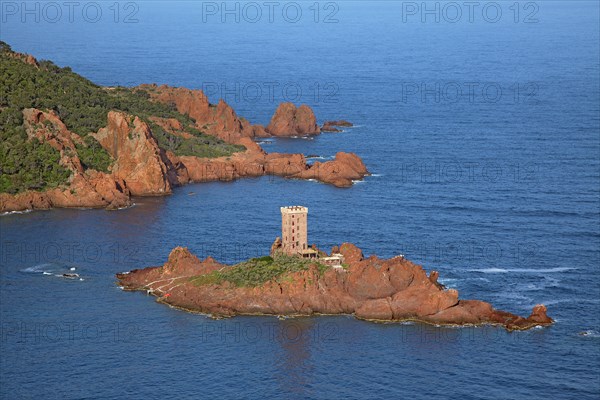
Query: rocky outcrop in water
[[370, 288], [340, 172], [291, 121], [332, 126]]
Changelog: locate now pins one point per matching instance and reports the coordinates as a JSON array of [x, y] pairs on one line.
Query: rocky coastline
[[374, 289], [140, 166]]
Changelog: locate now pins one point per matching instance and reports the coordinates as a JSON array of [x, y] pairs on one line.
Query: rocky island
[[67, 142], [298, 280]]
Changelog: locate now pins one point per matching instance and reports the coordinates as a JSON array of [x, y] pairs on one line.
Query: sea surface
[[482, 136]]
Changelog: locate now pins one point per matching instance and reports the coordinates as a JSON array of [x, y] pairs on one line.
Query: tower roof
[[294, 209]]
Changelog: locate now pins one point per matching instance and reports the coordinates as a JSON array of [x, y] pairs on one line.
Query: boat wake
[[590, 333], [55, 270]]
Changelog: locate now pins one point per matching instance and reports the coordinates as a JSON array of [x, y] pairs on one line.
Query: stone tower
[[294, 230]]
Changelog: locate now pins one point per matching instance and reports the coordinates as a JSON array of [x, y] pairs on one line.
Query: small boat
[[70, 276]]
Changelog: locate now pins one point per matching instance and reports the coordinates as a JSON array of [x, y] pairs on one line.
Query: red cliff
[[219, 120], [139, 161]]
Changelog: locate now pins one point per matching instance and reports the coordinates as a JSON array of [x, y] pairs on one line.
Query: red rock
[[351, 253], [177, 172], [206, 170], [433, 277], [539, 315], [139, 161], [340, 122], [26, 58], [29, 200], [31, 60], [285, 164], [47, 127], [340, 172], [402, 273], [218, 120], [276, 246], [373, 289], [291, 121], [368, 280], [331, 126], [378, 309]]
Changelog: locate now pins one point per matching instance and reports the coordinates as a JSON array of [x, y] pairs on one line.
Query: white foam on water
[[14, 212], [444, 280], [570, 300], [523, 270], [47, 273], [126, 207], [533, 286], [321, 158], [37, 268], [514, 296], [359, 181], [545, 283], [546, 270], [492, 270]]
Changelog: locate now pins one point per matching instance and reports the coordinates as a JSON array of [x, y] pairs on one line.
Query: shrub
[[258, 271]]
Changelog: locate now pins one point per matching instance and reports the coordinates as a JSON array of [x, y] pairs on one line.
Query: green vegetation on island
[[83, 106], [258, 271]]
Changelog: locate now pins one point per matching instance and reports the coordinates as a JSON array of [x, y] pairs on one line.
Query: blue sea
[[480, 126]]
